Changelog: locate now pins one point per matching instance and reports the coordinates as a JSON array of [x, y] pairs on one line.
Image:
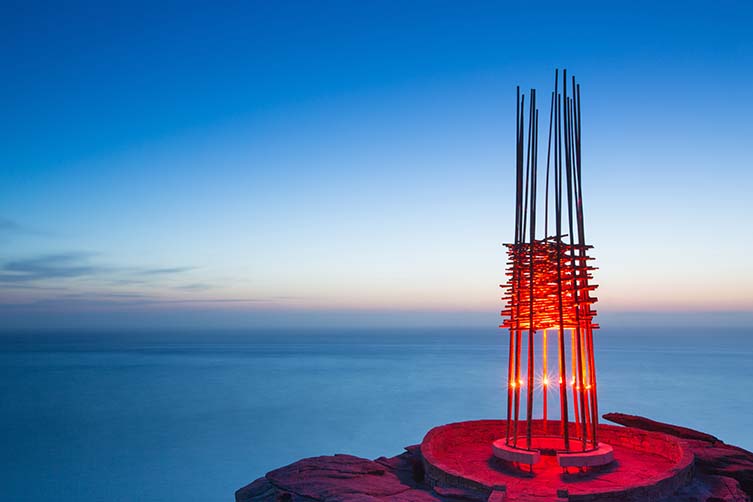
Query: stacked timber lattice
[[548, 290]]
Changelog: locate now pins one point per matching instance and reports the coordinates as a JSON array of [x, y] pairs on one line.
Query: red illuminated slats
[[546, 279]]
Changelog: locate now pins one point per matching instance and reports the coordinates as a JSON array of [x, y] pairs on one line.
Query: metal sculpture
[[548, 291]]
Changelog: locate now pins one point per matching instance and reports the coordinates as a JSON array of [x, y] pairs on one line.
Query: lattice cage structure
[[549, 285]]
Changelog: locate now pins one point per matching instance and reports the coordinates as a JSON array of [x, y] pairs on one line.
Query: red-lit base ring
[[512, 454], [594, 457], [602, 455]]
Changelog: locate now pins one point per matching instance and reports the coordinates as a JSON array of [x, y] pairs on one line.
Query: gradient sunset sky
[[315, 163]]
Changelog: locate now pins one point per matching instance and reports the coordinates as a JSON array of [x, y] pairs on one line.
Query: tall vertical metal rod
[[582, 268], [546, 185], [577, 289], [564, 420], [513, 312], [518, 286], [519, 169], [583, 272], [574, 266], [528, 170], [533, 133], [589, 329], [568, 172], [578, 387], [573, 342], [545, 385]]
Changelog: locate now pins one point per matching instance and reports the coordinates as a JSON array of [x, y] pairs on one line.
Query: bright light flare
[[544, 382], [513, 384]]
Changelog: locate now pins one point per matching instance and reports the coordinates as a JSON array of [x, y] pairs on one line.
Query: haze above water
[[194, 416]]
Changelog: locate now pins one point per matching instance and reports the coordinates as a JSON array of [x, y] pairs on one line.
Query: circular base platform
[[598, 457], [601, 456], [647, 465]]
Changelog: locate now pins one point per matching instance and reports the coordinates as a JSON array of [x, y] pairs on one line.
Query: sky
[[220, 164]]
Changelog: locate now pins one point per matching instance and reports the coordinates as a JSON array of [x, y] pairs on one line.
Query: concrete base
[[603, 455], [510, 454]]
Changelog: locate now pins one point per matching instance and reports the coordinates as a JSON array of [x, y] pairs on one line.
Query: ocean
[[192, 416]]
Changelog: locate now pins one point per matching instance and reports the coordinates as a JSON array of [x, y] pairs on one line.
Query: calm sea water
[[193, 416]]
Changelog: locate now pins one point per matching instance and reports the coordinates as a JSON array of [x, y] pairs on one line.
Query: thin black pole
[[518, 285], [546, 185], [574, 282], [564, 410], [582, 268], [511, 252], [563, 365], [528, 168], [533, 117], [589, 329]]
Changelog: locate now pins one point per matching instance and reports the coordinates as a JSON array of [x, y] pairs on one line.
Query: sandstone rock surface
[[712, 456], [723, 473]]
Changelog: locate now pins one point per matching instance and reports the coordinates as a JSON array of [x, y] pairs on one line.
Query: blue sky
[[286, 163]]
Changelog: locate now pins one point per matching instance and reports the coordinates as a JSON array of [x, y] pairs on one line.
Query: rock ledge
[[722, 473]]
